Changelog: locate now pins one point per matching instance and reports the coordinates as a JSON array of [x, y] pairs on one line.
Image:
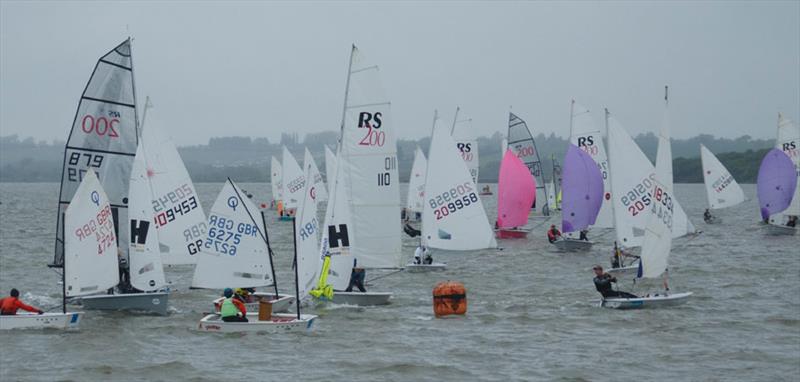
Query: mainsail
[[146, 269], [520, 141], [416, 183], [235, 252], [293, 180], [330, 164], [316, 177], [789, 142], [362, 220], [721, 189], [516, 190], [776, 184], [307, 235], [585, 135], [453, 217], [276, 179], [103, 140], [582, 187], [90, 245], [467, 144]]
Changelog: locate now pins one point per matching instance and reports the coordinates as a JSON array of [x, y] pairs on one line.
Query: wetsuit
[[603, 285], [357, 280], [9, 306]]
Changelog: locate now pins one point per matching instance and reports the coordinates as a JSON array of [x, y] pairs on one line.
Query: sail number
[[181, 209], [101, 126], [372, 122], [191, 235], [466, 150], [526, 151], [75, 174], [638, 198], [453, 200], [102, 226], [385, 178], [223, 238]]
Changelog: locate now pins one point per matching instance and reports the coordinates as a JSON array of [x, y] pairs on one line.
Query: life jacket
[[551, 235], [228, 309]]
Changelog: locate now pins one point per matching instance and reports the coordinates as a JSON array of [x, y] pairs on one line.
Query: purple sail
[[777, 180], [582, 190]]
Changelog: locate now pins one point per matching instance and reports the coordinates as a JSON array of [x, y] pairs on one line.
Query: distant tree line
[[247, 159]]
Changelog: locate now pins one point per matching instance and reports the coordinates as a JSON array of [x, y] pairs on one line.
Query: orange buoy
[[449, 298]]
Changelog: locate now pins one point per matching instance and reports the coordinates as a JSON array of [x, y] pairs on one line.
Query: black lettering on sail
[[338, 238], [139, 231]]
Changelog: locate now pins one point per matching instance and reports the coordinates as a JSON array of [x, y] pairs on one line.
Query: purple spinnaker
[[777, 180], [582, 190]]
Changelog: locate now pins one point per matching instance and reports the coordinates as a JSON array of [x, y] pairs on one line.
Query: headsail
[[103, 139], [416, 183], [516, 190], [582, 185], [454, 217], [293, 180], [585, 135], [316, 177], [276, 179], [466, 143], [520, 141], [235, 252], [90, 245], [146, 268], [721, 189], [777, 184]]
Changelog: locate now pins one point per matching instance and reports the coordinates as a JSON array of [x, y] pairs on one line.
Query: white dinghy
[[582, 190], [416, 187], [23, 321], [658, 233], [361, 225], [236, 252], [293, 183], [586, 136], [721, 189], [783, 221], [276, 181]]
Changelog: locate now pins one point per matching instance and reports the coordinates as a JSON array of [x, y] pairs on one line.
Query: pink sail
[[516, 191]]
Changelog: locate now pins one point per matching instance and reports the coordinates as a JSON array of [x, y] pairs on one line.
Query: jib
[[364, 119], [585, 141]]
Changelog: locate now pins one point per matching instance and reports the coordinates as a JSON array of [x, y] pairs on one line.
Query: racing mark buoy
[[449, 298]]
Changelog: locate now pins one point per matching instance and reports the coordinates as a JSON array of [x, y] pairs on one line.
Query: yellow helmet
[[239, 291]]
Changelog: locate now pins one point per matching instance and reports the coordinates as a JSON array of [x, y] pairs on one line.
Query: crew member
[[792, 221], [584, 235], [553, 234], [428, 258], [232, 310], [707, 216], [9, 305], [357, 278], [418, 255], [602, 281]]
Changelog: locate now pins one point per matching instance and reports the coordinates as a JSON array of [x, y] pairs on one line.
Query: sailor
[[280, 208], [553, 234], [418, 254], [792, 221], [584, 236], [9, 305], [617, 260], [707, 216], [357, 278], [428, 258], [232, 310], [242, 295], [602, 281]]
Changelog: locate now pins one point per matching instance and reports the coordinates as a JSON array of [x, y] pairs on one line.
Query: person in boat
[[617, 261], [487, 190], [357, 277], [602, 282], [428, 258], [707, 216], [553, 234], [242, 294], [231, 309], [410, 230], [280, 208], [792, 222], [418, 254], [10, 305], [124, 273], [584, 235]]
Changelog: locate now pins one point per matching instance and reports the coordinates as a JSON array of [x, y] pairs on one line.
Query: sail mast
[[296, 265], [427, 166], [271, 257], [455, 119]]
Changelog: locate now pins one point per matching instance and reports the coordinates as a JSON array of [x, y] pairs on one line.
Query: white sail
[[657, 238], [632, 180], [520, 141], [307, 235], [721, 189], [103, 140], [789, 142], [585, 135], [293, 180], [146, 269], [90, 244], [235, 252], [316, 177], [330, 164], [176, 208], [551, 196], [453, 217], [276, 179], [467, 144], [416, 183], [337, 240]]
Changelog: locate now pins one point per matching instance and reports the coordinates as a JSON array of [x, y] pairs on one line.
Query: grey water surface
[[532, 313]]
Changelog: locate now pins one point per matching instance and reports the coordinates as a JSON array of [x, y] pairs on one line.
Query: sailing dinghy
[[589, 139], [361, 227], [315, 177], [416, 187], [721, 189], [276, 181], [516, 191], [520, 141], [582, 188], [788, 142], [776, 185], [658, 233], [293, 183]]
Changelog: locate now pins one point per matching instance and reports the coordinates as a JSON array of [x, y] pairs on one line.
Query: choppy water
[[532, 314]]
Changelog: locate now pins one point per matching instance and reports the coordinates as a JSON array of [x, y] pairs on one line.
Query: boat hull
[[69, 320], [418, 268], [280, 323], [569, 245], [511, 233], [362, 299], [627, 271], [279, 305], [657, 301], [156, 302], [780, 230]]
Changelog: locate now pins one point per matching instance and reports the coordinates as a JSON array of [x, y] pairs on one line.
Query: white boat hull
[[280, 305], [657, 301], [416, 268], [280, 323], [155, 302], [361, 299], [569, 245], [22, 321], [627, 271], [780, 230]]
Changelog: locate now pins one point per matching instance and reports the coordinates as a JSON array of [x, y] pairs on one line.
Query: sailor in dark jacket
[[602, 281]]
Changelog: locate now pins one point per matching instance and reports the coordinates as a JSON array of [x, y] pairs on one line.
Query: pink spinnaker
[[516, 191]]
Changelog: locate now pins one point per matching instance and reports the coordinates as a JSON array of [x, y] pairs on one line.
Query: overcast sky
[[261, 68]]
